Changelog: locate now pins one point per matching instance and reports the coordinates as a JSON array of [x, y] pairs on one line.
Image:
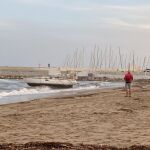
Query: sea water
[[12, 91]]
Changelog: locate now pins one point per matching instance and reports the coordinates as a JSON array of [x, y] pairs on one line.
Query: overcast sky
[[45, 31]]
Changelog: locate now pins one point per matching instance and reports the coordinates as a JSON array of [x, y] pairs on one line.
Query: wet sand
[[98, 117]]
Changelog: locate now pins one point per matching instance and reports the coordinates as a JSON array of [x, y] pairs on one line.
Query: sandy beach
[[101, 117]]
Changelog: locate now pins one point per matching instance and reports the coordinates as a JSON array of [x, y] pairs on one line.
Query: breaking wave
[[15, 90]]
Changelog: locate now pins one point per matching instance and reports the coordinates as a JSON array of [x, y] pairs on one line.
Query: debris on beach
[[65, 146]]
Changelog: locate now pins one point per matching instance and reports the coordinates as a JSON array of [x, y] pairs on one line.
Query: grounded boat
[[52, 82]]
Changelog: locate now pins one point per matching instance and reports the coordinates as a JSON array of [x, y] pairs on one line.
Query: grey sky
[[45, 31]]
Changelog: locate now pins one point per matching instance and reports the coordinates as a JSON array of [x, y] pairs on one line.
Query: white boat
[[52, 82]]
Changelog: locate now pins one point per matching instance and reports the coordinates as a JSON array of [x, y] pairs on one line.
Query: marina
[[74, 75]]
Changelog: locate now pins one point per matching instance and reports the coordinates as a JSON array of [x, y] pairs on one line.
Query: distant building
[[85, 76], [49, 65], [147, 70], [54, 73], [91, 76], [82, 76]]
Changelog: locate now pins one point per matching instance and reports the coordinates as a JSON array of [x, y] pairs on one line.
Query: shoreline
[[54, 93], [104, 117]]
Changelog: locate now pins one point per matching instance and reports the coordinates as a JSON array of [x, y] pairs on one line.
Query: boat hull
[[51, 85], [55, 83]]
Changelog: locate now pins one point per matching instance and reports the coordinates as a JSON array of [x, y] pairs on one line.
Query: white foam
[[47, 90], [42, 90]]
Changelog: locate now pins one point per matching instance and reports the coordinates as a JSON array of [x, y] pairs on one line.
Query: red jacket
[[128, 77]]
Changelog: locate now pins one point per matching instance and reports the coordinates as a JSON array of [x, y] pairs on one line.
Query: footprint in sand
[[137, 99]]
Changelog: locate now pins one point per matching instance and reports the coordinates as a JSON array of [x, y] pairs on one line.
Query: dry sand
[[97, 117]]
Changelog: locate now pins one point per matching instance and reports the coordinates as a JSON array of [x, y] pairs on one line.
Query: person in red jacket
[[128, 78]]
